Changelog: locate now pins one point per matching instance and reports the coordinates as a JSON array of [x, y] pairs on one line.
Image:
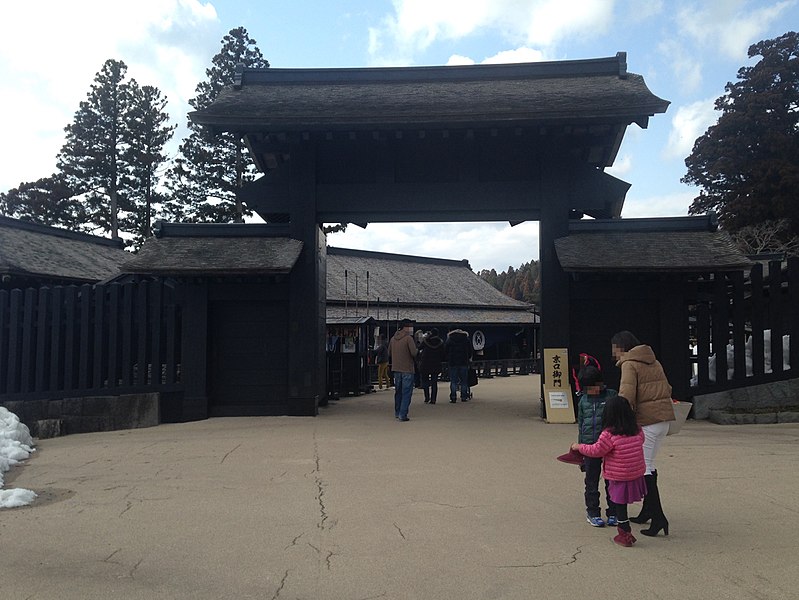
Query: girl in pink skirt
[[621, 444]]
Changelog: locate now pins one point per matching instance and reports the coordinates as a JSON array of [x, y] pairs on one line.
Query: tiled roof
[[38, 251], [417, 280], [649, 245], [215, 255], [434, 314], [316, 99]]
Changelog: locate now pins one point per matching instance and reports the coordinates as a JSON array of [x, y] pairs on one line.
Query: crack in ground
[[110, 556], [402, 535], [327, 560], [280, 587], [229, 453], [127, 508], [136, 566], [294, 541], [544, 564], [320, 491]]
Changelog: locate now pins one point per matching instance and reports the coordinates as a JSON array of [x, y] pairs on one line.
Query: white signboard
[[478, 340]]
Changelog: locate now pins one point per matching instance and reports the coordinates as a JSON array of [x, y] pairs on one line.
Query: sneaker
[[612, 521], [595, 521]]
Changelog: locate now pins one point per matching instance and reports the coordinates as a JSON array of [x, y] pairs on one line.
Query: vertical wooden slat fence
[[747, 319], [88, 340]]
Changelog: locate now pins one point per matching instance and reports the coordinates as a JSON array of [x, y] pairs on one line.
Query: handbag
[[681, 410]]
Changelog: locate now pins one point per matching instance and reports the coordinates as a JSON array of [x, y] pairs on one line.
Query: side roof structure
[[670, 244], [429, 290], [53, 255], [216, 250]]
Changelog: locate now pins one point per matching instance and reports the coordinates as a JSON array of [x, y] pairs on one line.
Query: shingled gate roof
[[50, 253], [316, 99], [676, 244], [429, 290], [211, 249]]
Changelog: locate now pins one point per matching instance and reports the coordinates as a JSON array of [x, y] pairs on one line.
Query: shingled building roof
[[316, 99], [676, 244], [210, 249], [50, 254], [429, 290]]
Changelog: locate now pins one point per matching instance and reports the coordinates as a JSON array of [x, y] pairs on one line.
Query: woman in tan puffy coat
[[644, 384]]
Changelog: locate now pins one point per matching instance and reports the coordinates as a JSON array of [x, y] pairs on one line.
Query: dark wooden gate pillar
[[555, 299], [307, 309]]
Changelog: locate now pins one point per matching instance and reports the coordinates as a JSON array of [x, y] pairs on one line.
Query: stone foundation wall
[[776, 402], [51, 418]]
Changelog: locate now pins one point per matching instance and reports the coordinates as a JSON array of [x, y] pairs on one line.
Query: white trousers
[[653, 436]]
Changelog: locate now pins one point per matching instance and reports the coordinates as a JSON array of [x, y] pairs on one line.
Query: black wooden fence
[[88, 340], [745, 331]]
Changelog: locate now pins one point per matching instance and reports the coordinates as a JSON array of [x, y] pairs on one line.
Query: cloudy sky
[[687, 50]]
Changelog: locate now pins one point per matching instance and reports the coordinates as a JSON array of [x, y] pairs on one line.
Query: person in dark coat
[[459, 352], [432, 355]]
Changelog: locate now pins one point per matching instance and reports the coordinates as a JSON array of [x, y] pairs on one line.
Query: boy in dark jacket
[[592, 398]]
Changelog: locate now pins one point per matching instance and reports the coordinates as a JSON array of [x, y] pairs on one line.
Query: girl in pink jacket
[[621, 444]]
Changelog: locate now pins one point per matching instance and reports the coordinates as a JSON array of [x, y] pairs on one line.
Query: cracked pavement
[[466, 501]]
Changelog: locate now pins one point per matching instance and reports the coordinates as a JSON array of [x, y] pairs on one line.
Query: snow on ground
[[16, 445]]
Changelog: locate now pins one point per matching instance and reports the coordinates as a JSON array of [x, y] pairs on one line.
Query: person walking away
[[459, 351], [402, 351], [590, 405], [432, 355], [381, 358], [644, 384], [621, 445]]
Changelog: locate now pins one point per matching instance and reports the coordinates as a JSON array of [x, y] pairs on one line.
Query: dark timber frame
[[479, 143]]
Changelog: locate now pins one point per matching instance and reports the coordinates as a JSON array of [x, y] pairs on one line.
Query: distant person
[[459, 353], [381, 359], [432, 354], [621, 444], [402, 351], [644, 384], [590, 406]]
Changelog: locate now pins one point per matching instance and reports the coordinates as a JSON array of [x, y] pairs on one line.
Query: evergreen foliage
[[747, 164], [210, 168], [108, 166], [522, 284]]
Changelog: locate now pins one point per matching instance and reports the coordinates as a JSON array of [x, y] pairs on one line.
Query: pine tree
[[47, 201], [91, 159], [747, 164], [148, 131], [210, 168]]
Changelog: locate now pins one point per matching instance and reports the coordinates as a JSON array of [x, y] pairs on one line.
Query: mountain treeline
[[522, 284]]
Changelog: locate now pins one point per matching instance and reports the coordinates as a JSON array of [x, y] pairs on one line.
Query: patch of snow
[[16, 445]]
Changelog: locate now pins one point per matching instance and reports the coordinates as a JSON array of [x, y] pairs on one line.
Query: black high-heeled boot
[[659, 520], [646, 509]]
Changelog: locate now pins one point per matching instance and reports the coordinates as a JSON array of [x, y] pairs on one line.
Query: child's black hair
[[589, 375], [619, 417]]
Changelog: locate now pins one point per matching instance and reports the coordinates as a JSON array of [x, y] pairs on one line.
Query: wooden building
[[33, 255], [510, 142]]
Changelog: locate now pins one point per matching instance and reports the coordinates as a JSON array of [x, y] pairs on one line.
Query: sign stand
[[557, 387]]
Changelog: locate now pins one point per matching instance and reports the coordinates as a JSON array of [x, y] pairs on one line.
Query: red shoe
[[624, 538]]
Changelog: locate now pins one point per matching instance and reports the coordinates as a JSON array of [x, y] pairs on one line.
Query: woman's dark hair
[[625, 340], [619, 417]]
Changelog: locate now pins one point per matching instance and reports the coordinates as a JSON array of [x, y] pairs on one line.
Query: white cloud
[[484, 245], [416, 24], [621, 166], [519, 55], [685, 65], [457, 59], [52, 50], [730, 25], [689, 123], [667, 205]]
